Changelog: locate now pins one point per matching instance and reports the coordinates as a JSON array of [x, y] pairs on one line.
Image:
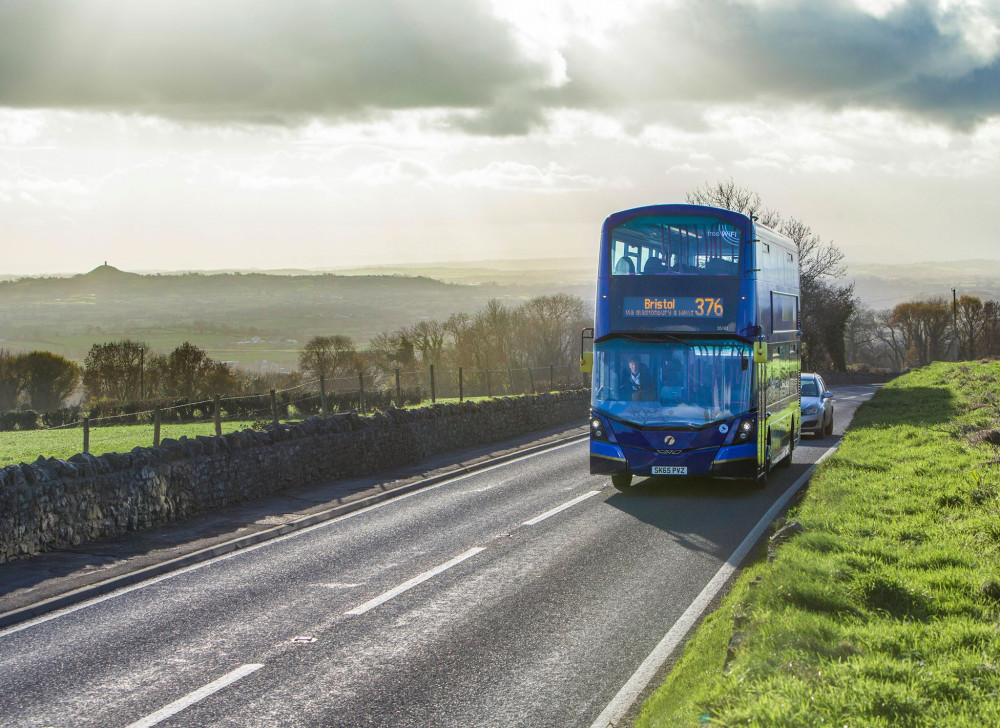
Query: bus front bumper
[[734, 461]]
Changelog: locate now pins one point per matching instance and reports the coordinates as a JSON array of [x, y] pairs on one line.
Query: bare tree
[[329, 356], [112, 370], [428, 339], [819, 261], [971, 316], [552, 326], [816, 257], [926, 327], [730, 196]]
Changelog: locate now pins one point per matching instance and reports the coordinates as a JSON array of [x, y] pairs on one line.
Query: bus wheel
[[621, 481], [786, 462]]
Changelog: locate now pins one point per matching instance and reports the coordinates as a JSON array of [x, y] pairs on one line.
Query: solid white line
[[632, 689], [198, 695], [419, 579], [270, 542], [563, 507]]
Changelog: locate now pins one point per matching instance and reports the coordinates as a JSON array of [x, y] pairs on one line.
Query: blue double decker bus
[[696, 357]]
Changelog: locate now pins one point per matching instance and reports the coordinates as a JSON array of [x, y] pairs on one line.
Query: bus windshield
[[675, 245], [671, 383]]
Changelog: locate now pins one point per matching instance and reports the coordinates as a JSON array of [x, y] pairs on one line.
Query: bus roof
[[618, 218]]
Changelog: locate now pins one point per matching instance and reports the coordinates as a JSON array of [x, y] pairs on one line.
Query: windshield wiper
[[658, 337]]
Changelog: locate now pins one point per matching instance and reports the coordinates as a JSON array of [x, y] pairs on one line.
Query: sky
[[192, 135]]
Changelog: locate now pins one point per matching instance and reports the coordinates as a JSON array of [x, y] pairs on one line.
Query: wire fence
[[134, 425]]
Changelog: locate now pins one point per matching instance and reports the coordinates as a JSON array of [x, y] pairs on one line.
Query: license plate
[[669, 470]]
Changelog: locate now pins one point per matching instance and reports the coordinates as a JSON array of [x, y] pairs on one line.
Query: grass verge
[[884, 611]]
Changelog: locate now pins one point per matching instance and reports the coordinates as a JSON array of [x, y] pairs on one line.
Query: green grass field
[[884, 612], [26, 446]]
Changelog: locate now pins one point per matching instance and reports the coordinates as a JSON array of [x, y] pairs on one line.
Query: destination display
[[672, 306]]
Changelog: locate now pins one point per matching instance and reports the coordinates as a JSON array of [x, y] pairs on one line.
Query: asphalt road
[[526, 594]]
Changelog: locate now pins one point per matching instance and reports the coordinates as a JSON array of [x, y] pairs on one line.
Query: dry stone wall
[[51, 504]]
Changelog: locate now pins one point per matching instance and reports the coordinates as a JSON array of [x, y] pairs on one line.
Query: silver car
[[817, 406]]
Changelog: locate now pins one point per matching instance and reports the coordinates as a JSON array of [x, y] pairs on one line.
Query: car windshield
[[810, 388], [671, 384]]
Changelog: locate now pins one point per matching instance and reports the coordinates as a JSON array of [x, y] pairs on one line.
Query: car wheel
[[829, 428]]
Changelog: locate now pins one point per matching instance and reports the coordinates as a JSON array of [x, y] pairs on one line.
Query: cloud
[[936, 60], [257, 59], [652, 61]]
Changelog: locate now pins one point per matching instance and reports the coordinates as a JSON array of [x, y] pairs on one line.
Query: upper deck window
[[675, 245]]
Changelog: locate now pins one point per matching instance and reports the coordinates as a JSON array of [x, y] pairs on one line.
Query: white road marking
[[198, 695], [270, 542], [619, 705], [563, 507], [419, 579]]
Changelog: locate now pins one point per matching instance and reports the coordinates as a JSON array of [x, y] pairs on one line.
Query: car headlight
[[811, 410]]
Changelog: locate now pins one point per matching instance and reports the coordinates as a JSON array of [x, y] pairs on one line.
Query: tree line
[[915, 333], [543, 331], [116, 371]]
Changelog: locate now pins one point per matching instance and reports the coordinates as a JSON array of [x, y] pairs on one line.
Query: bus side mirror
[[586, 357]]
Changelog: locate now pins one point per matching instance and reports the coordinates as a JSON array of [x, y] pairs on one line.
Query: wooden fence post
[[157, 415], [433, 400], [531, 380], [510, 375], [552, 377], [322, 396], [399, 390], [217, 414], [361, 392], [489, 393], [274, 407], [461, 397], [86, 434]]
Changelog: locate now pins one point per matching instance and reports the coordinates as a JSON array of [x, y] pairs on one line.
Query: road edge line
[[633, 688]]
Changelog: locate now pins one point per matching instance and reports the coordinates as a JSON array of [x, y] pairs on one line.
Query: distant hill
[[249, 318], [258, 317], [884, 286]]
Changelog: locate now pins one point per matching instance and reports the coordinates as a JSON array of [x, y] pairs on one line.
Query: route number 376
[[708, 307]]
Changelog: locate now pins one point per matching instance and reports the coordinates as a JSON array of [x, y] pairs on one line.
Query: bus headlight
[[745, 430], [599, 431]]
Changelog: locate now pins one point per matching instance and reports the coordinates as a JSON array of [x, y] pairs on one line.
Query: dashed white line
[[419, 579], [198, 695], [563, 507]]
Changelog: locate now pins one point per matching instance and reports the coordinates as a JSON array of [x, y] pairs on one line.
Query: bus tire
[[786, 462], [621, 481]]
